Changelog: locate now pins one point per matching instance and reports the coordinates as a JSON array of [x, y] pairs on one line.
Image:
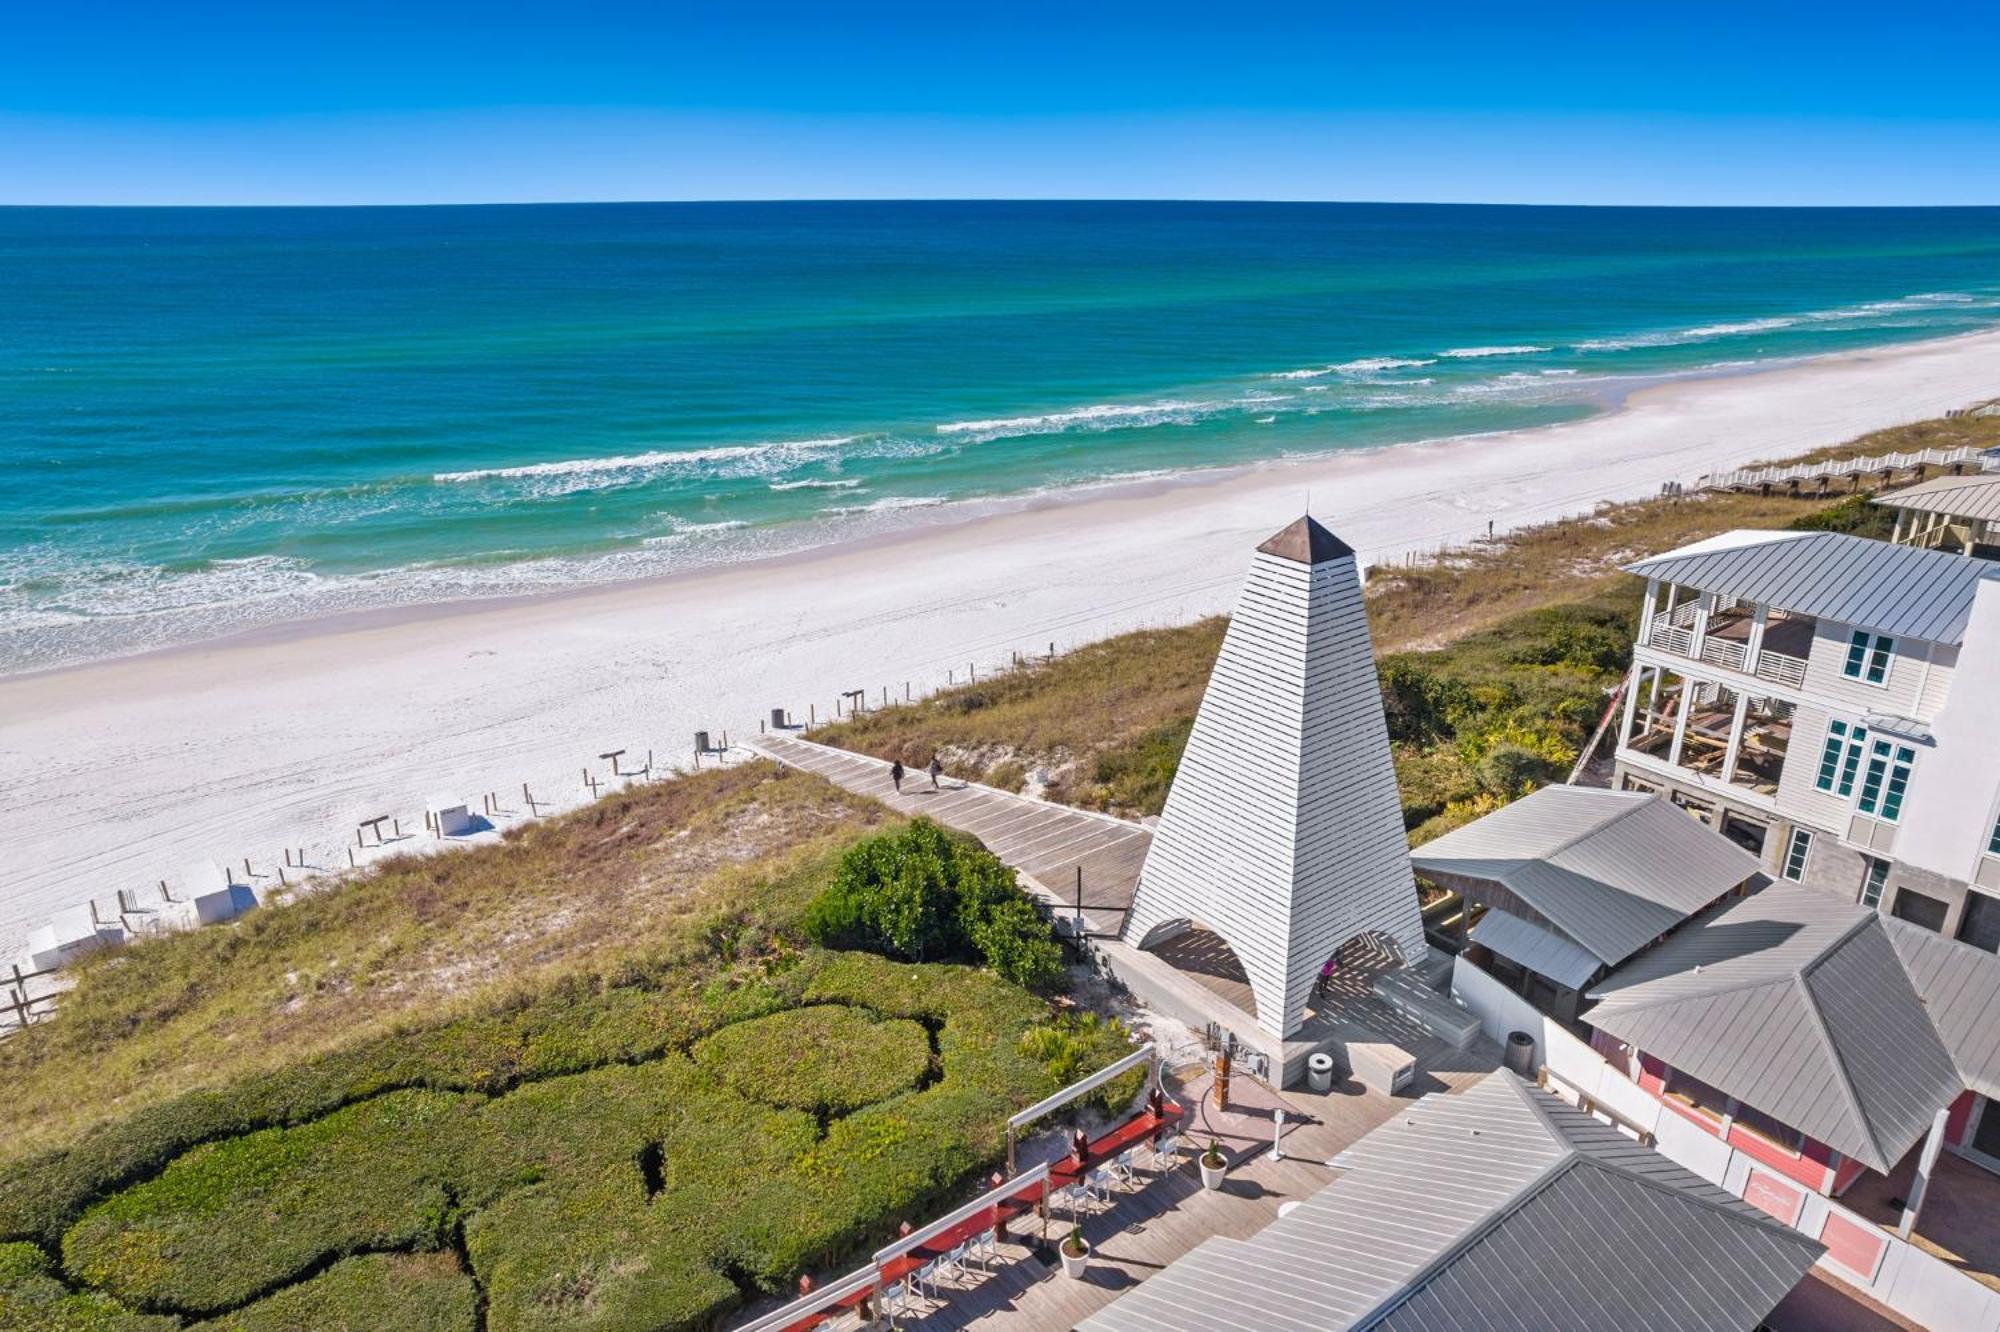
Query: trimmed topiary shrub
[[825, 1060], [32, 1299], [377, 1292], [232, 1220]]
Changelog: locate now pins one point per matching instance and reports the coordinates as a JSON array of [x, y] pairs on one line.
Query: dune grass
[[1527, 625], [632, 1128], [423, 940]]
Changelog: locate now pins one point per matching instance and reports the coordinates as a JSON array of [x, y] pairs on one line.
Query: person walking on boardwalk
[[935, 770], [896, 775]]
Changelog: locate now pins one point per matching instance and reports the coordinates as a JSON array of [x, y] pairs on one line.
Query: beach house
[[1812, 1050], [1549, 893], [1829, 702], [1498, 1208], [1952, 513]]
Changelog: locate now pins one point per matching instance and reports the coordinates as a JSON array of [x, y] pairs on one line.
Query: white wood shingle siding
[[1283, 831]]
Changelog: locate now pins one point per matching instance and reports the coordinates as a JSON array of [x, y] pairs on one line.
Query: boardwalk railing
[[1786, 474], [26, 997]]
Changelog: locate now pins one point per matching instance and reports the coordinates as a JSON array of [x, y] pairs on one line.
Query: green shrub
[[633, 1195], [32, 1299], [383, 1292], [826, 1060], [921, 893], [231, 1220], [1074, 1045]]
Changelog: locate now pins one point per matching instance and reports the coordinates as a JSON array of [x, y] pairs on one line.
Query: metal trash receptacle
[[701, 745], [1319, 1072], [1520, 1055], [778, 722]]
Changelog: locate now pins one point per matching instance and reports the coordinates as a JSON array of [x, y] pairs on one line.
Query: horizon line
[[1019, 199]]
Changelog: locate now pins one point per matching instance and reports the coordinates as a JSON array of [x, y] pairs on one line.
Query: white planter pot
[[1212, 1176], [1074, 1265]]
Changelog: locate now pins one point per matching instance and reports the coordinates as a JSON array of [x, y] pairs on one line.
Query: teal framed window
[[1840, 758], [1886, 779], [1868, 657]]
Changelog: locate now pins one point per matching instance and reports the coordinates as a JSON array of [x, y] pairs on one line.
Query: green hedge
[[33, 1300], [570, 1029], [634, 1195], [829, 1059], [382, 1292], [231, 1220]]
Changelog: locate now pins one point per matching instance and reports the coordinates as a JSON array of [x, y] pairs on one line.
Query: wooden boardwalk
[[1049, 843]]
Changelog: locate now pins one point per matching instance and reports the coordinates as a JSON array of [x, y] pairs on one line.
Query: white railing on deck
[[1780, 668]]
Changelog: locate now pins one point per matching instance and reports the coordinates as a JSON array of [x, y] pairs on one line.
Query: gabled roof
[[1798, 1005], [1498, 1208], [1544, 952], [1956, 496], [1612, 870], [1960, 987], [1306, 542], [1899, 590]]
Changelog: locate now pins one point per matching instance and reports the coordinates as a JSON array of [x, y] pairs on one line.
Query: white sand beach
[[117, 774]]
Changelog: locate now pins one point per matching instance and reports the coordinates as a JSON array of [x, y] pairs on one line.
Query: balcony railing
[[1668, 634], [1723, 652]]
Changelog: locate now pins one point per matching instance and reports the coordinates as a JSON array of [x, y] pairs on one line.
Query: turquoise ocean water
[[212, 419]]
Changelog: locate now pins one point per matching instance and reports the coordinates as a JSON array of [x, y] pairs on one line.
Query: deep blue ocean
[[217, 418]]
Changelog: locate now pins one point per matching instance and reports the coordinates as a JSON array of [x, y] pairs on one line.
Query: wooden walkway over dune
[[1049, 843]]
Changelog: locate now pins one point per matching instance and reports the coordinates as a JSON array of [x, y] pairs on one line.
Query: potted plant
[[1075, 1251], [1214, 1165]]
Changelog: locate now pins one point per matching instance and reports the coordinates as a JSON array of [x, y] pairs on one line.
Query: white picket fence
[[1922, 1288]]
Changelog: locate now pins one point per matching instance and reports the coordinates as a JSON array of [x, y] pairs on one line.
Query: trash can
[[1520, 1055], [777, 719], [1319, 1072], [701, 742]]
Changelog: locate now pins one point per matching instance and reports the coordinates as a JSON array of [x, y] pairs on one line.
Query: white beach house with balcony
[[1833, 704]]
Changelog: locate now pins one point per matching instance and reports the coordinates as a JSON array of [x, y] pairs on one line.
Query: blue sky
[[194, 102]]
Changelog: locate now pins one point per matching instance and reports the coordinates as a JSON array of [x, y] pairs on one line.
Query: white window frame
[[1852, 741], [1866, 651], [1898, 761], [1798, 847]]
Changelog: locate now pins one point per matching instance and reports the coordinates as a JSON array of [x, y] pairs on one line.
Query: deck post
[[1925, 1164]]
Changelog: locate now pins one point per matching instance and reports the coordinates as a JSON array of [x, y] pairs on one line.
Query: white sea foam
[[657, 460], [1479, 353], [1840, 314], [818, 483], [889, 504], [1100, 416], [1367, 365]]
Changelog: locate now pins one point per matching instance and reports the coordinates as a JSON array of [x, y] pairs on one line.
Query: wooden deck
[[1049, 843], [1141, 1230]]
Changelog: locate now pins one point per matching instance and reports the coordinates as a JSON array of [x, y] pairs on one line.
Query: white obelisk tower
[[1283, 831]]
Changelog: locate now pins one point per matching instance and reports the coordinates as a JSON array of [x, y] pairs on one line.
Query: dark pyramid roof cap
[[1306, 542]]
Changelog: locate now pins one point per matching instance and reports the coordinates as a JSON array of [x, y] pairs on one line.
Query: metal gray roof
[[1542, 951], [1498, 1208], [1960, 987], [1900, 590], [1797, 1005], [1956, 496], [1613, 870]]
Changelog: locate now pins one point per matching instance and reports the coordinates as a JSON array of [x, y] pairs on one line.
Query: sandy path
[[115, 775]]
